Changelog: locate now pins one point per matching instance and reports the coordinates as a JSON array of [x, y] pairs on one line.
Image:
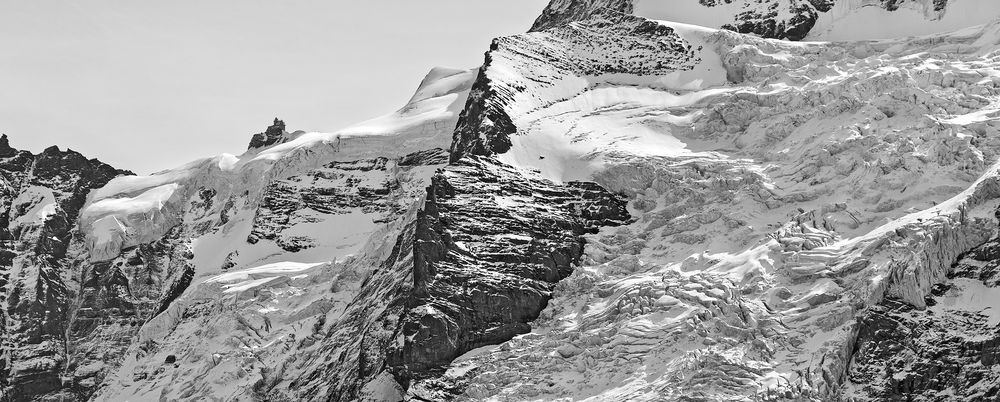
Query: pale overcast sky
[[149, 85]]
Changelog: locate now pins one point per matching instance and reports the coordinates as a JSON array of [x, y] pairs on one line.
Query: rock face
[[42, 198], [366, 185], [490, 245], [946, 352], [560, 12], [271, 136]]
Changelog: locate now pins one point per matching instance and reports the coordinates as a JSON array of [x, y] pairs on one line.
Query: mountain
[[42, 196], [793, 19], [612, 207]]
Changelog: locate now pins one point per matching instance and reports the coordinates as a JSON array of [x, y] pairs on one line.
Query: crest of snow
[[133, 184], [438, 101], [149, 201], [441, 81]]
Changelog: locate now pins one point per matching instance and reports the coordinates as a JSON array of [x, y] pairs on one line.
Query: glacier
[[726, 200]]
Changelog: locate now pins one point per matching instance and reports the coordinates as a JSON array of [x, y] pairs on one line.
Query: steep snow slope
[[781, 191]]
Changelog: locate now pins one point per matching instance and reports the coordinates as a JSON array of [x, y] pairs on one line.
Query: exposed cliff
[[42, 196]]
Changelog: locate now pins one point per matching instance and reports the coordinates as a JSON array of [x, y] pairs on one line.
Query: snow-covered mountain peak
[[612, 207], [816, 20]]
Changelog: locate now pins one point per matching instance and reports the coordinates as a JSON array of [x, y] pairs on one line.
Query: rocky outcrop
[[561, 12], [273, 135], [792, 23], [42, 197], [472, 267], [365, 186], [490, 245], [948, 351]]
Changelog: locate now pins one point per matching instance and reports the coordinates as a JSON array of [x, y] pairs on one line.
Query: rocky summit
[[636, 200]]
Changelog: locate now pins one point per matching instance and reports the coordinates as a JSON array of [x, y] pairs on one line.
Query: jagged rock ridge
[[42, 197]]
